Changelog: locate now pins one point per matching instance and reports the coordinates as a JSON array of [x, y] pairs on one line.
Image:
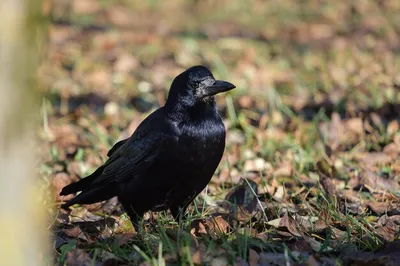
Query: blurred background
[[318, 91]]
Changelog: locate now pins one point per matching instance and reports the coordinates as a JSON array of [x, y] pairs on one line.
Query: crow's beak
[[217, 87]]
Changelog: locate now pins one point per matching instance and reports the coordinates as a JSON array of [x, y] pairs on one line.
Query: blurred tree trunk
[[23, 239]]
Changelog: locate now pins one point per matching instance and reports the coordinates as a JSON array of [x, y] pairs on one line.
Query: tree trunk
[[23, 239]]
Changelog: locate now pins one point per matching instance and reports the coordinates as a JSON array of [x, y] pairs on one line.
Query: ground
[[311, 171]]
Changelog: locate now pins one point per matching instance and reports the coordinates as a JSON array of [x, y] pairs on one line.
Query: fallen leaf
[[256, 165], [290, 224], [389, 231], [392, 150], [125, 63], [393, 127], [72, 232], [78, 257], [59, 181], [328, 185], [382, 207], [85, 6], [242, 200], [253, 257], [300, 245], [196, 258], [284, 170], [217, 225], [122, 239], [373, 158], [373, 181]]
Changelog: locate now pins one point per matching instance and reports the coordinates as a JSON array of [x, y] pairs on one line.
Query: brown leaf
[[393, 127], [67, 135], [300, 245], [72, 232], [339, 134], [328, 185], [389, 231], [196, 258], [125, 63], [242, 200], [256, 165], [373, 158], [284, 169], [338, 234], [122, 239], [353, 207], [373, 181], [78, 257], [332, 131], [100, 78], [59, 181], [198, 227], [392, 150], [217, 225], [381, 207], [290, 224], [253, 257], [307, 225], [85, 6], [120, 16]]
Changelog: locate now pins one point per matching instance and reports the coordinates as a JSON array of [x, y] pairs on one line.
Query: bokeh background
[[314, 122]]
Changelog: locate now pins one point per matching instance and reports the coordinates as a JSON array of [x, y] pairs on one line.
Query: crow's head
[[197, 84]]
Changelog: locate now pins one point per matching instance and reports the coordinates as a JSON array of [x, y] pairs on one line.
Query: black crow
[[171, 156]]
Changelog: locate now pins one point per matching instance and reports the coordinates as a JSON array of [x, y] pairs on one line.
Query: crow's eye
[[193, 84]]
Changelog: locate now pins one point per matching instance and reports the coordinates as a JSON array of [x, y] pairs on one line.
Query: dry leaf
[[253, 257], [72, 232], [373, 181], [242, 200], [290, 224], [217, 225], [59, 181], [389, 231], [328, 185], [78, 257], [380, 207]]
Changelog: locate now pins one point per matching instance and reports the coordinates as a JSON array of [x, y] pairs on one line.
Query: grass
[[317, 91]]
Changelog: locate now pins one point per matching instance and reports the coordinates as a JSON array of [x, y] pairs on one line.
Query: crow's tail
[[82, 184], [93, 195]]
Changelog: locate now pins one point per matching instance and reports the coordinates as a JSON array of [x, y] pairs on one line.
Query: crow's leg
[[178, 212], [178, 208]]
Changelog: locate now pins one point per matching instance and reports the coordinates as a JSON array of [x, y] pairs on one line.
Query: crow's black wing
[[116, 146], [139, 152]]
